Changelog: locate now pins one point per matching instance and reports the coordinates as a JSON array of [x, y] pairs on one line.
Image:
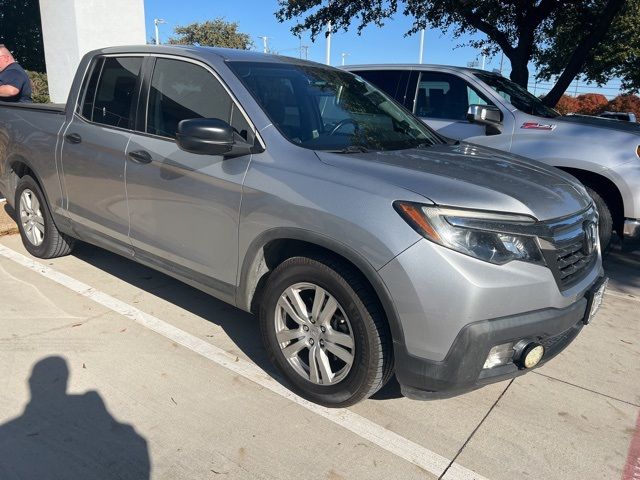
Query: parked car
[[365, 243], [623, 116], [487, 109]]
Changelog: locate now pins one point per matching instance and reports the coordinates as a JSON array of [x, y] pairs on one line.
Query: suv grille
[[572, 247]]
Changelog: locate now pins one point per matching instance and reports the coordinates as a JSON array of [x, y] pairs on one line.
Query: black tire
[[373, 354], [605, 222], [54, 243]]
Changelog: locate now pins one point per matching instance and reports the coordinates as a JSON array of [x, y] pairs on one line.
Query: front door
[[184, 207], [93, 153], [442, 101]]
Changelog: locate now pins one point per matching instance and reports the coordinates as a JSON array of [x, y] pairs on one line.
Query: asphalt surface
[[112, 370]]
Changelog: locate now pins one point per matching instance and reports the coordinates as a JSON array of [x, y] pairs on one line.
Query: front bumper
[[462, 369]]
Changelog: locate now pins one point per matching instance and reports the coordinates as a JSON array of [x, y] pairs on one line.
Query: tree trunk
[[579, 55], [519, 71]]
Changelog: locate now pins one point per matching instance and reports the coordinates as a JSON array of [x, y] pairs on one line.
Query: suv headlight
[[490, 236]]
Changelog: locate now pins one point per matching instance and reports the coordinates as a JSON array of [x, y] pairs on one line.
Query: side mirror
[[209, 136], [484, 114]]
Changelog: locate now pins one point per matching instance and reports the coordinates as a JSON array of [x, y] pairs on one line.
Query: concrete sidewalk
[[574, 418]]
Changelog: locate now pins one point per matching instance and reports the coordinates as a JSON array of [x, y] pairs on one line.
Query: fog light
[[499, 355], [529, 354]]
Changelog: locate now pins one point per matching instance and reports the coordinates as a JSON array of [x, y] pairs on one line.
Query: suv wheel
[[39, 233], [323, 328]]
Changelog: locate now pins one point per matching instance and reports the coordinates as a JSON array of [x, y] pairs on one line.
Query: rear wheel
[[323, 328], [39, 233], [605, 222]]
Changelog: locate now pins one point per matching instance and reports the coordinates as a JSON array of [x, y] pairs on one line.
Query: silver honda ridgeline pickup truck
[[366, 243]]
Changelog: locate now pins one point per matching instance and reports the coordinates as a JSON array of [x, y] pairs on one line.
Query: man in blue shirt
[[14, 82]]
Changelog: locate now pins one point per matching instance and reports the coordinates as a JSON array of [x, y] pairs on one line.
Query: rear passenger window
[[110, 91], [181, 90], [392, 82]]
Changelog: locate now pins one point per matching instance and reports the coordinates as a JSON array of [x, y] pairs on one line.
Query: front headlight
[[490, 236]]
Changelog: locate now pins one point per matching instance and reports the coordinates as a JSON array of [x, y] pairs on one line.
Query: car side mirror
[[210, 136], [486, 115]]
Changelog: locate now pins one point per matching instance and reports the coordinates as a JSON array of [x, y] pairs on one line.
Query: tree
[[21, 32], [521, 29], [591, 103], [614, 55], [567, 104], [212, 33], [625, 103]]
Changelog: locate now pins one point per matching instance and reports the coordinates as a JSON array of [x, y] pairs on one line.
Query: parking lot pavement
[[156, 353]]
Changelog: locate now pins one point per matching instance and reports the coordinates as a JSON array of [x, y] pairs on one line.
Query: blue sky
[[375, 45]]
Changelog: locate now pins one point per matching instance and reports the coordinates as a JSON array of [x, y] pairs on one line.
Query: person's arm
[[8, 91]]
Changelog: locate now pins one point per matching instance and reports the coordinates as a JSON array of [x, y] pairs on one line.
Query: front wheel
[[605, 222], [39, 233], [323, 328]]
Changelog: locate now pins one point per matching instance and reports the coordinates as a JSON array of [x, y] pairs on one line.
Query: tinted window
[[394, 82], [323, 108], [181, 90], [108, 100], [517, 96], [441, 95], [89, 85]]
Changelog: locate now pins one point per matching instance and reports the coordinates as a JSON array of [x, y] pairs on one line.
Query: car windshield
[[518, 96], [326, 109]]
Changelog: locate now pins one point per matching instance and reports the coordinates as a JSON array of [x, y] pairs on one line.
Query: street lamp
[[344, 55], [421, 45], [265, 43], [156, 22]]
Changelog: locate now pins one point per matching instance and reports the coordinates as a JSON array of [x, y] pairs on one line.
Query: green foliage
[[39, 86], [618, 56], [21, 32], [524, 30], [212, 33]]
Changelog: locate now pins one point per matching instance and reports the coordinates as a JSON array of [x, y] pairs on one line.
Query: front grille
[[569, 249]]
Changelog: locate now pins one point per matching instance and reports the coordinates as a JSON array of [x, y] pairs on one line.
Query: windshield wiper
[[354, 149]]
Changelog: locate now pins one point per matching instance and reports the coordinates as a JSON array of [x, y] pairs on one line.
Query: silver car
[[366, 244]]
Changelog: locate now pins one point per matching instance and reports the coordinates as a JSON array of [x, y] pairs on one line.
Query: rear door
[[184, 207], [393, 82], [93, 153]]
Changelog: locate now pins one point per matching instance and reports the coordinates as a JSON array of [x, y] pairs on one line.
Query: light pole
[[421, 45], [156, 22], [327, 59], [265, 43], [344, 55]]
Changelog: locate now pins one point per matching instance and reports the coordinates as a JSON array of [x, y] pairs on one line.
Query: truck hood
[[604, 123], [469, 176]]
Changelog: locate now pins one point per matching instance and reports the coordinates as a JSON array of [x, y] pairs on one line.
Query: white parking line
[[376, 434]]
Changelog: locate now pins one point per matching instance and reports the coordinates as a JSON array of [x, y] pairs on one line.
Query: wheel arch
[[275, 246], [607, 190]]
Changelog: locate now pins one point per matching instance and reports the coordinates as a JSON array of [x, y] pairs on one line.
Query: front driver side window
[[445, 96], [182, 90]]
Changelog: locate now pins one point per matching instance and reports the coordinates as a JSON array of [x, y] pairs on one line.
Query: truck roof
[[416, 66], [198, 52]]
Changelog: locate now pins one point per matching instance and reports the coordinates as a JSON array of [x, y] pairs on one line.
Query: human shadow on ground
[[60, 436]]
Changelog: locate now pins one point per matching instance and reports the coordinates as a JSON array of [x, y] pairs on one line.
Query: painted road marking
[[392, 442]]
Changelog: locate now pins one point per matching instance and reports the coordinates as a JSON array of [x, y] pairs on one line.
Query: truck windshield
[[327, 109], [517, 96]]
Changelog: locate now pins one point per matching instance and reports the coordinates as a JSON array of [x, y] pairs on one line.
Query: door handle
[[73, 138], [140, 156]]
